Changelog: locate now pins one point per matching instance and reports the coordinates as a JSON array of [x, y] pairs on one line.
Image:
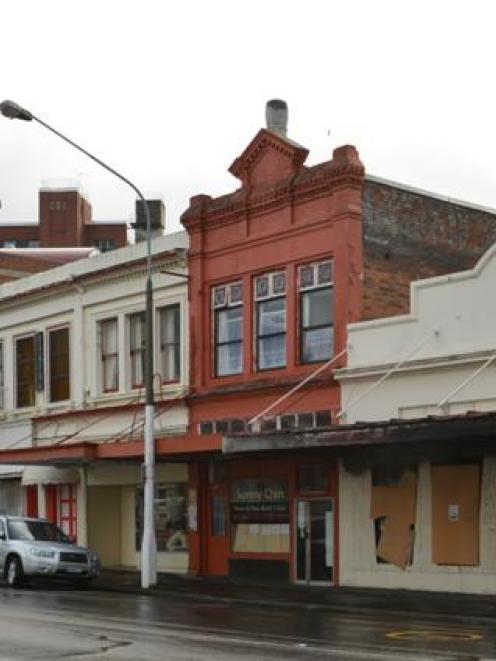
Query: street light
[[149, 545]]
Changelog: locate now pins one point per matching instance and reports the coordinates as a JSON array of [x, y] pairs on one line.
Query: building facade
[[72, 349], [278, 269], [65, 221], [419, 512]]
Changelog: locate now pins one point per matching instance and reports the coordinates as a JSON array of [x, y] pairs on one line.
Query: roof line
[[427, 193]]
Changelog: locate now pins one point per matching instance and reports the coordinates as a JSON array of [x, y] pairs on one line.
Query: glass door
[[314, 541]]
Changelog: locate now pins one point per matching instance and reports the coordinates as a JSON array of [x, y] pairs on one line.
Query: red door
[[61, 507], [218, 534], [32, 500]]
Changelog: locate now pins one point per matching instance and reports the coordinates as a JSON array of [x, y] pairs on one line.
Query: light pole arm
[[149, 288], [115, 173]]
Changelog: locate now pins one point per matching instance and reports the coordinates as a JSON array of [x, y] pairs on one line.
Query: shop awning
[[470, 427], [174, 447], [49, 475]]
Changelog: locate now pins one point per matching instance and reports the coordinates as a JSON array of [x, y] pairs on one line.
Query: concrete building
[[432, 373], [72, 347]]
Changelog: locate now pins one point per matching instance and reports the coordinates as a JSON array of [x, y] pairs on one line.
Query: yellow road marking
[[438, 635]]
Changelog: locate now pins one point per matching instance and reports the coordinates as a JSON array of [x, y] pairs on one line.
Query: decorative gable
[[267, 159]]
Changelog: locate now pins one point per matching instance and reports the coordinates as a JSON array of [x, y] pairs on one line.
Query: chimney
[[276, 116], [157, 213]]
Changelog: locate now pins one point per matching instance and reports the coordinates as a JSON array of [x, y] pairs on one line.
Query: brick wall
[[409, 235]]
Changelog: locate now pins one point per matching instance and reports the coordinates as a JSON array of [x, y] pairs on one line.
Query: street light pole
[[149, 545]]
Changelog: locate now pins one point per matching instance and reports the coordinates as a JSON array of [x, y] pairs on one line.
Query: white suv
[[36, 547]]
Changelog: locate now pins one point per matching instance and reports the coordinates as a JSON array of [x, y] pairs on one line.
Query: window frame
[[105, 356], [133, 351], [307, 291], [176, 343], [230, 302], [49, 332], [21, 338], [260, 299]]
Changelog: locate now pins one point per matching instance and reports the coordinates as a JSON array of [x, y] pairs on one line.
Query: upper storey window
[[109, 355], [270, 300], [227, 303], [315, 283]]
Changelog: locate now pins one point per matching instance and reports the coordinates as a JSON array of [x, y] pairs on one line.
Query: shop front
[[272, 520]]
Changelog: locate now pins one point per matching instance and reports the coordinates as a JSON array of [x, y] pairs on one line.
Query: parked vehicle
[[36, 547]]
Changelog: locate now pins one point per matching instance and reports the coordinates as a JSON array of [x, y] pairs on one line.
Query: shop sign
[[259, 497]]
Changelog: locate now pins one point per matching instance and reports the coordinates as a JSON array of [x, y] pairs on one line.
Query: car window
[[35, 531], [2, 530]]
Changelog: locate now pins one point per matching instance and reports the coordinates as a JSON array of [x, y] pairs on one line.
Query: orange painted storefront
[[285, 216], [215, 554]]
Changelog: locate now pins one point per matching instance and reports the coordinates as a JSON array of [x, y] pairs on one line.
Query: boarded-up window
[[455, 514], [59, 364], [393, 506]]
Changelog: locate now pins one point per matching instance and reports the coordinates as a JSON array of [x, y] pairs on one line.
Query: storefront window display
[[170, 516], [260, 516]]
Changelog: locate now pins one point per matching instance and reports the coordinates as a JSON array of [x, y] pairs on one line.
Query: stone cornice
[[344, 170]]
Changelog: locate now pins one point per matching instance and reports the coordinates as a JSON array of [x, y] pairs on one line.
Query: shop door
[[217, 551], [314, 537]]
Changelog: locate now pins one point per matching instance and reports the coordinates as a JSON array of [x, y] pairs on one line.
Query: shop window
[[313, 479], [260, 516], [270, 298], [25, 371], [2, 379], [455, 514], [109, 355], [170, 516], [393, 510], [59, 372], [170, 343], [227, 302], [316, 312], [137, 349]]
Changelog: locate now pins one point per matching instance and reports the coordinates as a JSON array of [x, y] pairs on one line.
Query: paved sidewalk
[[343, 599]]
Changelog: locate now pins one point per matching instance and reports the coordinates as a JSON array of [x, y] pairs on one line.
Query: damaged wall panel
[[455, 514], [397, 506]]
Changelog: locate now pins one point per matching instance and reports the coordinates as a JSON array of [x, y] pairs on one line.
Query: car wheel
[[14, 573]]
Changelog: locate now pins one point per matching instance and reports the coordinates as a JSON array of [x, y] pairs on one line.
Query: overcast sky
[[169, 93]]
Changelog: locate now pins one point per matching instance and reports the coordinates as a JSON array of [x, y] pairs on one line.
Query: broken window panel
[[393, 508]]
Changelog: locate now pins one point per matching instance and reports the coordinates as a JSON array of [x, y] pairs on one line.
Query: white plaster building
[[72, 345], [440, 360]]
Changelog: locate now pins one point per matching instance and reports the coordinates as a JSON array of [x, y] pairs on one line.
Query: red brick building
[[277, 270], [65, 221]]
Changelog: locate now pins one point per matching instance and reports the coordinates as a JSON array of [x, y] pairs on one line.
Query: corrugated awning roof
[[467, 426]]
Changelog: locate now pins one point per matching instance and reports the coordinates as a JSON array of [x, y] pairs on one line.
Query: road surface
[[56, 622]]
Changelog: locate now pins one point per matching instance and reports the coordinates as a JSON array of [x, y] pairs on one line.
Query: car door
[[3, 545]]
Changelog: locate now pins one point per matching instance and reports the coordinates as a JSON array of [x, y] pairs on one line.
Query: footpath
[[410, 603]]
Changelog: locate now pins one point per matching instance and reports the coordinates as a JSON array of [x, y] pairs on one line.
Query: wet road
[[53, 623]]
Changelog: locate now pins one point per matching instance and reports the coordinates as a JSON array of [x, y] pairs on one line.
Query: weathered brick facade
[[410, 234], [64, 222]]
